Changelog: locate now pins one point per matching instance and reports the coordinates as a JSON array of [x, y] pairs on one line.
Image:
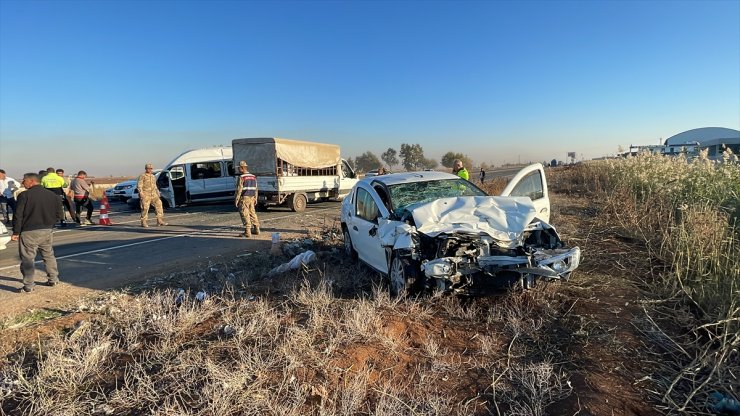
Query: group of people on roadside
[[37, 204], [77, 191]]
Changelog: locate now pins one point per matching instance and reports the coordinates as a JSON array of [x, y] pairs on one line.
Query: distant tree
[[367, 161], [448, 160], [485, 166], [389, 157], [430, 163], [412, 156]]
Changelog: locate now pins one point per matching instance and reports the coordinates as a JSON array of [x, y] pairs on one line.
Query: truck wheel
[[261, 207], [297, 202]]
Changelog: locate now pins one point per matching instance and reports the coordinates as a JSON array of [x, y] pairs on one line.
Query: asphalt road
[[99, 257], [506, 172]]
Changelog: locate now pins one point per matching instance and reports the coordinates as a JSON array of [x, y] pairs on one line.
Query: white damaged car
[[434, 230]]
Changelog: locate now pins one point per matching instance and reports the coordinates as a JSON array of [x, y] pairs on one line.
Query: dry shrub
[[68, 380], [495, 185], [685, 213], [585, 178], [536, 386]]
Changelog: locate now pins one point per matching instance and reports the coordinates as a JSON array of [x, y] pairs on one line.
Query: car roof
[[409, 177]]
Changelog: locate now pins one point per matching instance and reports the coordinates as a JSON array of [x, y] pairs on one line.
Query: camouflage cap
[[242, 164], [148, 166]]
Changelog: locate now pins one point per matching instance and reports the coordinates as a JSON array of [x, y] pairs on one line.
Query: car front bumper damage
[[460, 272]]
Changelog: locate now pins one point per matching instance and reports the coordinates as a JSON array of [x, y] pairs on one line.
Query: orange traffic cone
[[104, 220]]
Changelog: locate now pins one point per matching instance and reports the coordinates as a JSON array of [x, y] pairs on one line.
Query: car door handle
[[354, 227]]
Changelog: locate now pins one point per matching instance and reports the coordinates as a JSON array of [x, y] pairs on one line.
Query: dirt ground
[[596, 337]]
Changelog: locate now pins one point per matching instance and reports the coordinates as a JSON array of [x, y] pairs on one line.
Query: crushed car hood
[[503, 218]]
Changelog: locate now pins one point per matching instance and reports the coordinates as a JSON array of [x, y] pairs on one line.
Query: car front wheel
[[349, 250], [400, 283]]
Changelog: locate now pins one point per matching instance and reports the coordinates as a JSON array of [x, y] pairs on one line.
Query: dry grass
[[307, 352], [684, 213]]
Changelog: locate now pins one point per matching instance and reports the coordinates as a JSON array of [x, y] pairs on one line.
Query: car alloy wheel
[[398, 282], [348, 249]]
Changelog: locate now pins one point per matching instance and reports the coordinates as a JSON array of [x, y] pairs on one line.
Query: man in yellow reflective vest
[[459, 170], [56, 184]]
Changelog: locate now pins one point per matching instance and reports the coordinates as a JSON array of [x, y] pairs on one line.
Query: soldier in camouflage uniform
[[246, 198], [149, 194]]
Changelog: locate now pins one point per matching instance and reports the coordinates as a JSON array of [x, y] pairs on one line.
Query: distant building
[[712, 138], [690, 142]]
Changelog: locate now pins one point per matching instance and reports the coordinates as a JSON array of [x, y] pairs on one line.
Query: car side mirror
[[373, 231]]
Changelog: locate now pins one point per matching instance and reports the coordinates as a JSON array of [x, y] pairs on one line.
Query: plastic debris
[[297, 261], [725, 404], [201, 296], [180, 298], [275, 247], [227, 330]]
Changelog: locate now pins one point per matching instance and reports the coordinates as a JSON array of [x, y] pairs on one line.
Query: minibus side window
[[205, 170]]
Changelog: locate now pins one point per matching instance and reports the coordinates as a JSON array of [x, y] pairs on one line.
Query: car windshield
[[405, 194]]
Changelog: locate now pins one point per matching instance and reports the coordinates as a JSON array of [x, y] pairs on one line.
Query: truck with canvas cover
[[293, 172]]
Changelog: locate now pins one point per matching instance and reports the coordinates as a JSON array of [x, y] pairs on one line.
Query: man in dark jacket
[[38, 209]]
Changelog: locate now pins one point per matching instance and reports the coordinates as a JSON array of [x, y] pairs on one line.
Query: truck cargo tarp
[[260, 154]]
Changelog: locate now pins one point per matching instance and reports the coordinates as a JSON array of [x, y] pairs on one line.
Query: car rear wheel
[[349, 250]]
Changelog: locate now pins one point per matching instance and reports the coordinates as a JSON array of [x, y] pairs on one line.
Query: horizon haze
[[109, 86]]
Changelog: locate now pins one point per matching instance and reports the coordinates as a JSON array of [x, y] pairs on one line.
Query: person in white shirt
[[8, 186]]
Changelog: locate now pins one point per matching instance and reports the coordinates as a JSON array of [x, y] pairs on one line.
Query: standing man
[[149, 194], [55, 183], [8, 186], [459, 170], [482, 175], [246, 198], [66, 199], [81, 191], [38, 210]]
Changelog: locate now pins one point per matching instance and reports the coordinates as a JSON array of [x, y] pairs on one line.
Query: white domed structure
[[715, 139]]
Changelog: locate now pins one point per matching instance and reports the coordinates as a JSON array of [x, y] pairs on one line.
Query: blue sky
[[108, 85]]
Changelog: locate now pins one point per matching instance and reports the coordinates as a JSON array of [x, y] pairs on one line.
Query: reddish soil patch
[[14, 338]]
